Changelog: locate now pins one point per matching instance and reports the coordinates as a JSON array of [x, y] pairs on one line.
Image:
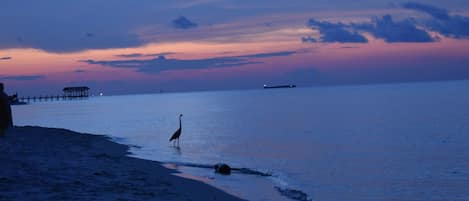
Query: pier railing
[[52, 98]]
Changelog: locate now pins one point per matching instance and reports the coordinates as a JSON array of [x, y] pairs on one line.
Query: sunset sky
[[129, 46]]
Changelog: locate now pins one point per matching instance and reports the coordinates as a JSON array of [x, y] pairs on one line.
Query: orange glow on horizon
[[61, 67]]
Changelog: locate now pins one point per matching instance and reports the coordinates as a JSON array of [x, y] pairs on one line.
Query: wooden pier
[[69, 93]]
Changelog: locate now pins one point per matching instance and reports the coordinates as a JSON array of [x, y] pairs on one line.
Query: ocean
[[365, 142]]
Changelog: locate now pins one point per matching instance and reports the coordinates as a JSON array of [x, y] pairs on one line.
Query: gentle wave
[[240, 170], [293, 194], [281, 184]]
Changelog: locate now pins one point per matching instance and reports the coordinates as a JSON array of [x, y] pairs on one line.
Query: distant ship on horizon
[[279, 86]]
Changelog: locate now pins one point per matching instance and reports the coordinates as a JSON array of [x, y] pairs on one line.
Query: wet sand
[[57, 164]]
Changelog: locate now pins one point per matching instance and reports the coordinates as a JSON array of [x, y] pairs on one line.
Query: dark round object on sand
[[223, 169]]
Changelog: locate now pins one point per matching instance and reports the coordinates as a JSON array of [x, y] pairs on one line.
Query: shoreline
[[58, 164]]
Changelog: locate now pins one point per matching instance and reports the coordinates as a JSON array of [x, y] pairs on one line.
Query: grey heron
[[177, 134]]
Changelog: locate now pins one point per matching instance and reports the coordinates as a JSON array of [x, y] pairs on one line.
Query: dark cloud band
[[162, 63], [392, 31], [453, 26], [139, 55], [335, 32], [22, 77], [183, 23]]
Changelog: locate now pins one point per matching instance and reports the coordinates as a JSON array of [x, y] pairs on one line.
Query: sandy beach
[[56, 164]]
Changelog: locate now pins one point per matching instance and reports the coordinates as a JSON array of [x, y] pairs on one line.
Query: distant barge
[[279, 86]]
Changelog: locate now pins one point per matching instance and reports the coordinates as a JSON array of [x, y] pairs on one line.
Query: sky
[[148, 46]]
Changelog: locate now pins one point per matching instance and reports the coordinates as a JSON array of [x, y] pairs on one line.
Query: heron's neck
[[180, 125]]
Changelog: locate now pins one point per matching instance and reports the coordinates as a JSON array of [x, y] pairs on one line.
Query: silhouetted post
[[6, 120]]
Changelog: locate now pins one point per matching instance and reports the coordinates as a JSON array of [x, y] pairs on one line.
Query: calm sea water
[[376, 142]]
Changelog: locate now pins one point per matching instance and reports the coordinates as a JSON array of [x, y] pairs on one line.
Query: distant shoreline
[[57, 164]]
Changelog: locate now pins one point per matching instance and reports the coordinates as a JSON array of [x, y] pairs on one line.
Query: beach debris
[[222, 168]]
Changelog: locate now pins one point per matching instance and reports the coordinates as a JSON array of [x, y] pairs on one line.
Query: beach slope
[[56, 164]]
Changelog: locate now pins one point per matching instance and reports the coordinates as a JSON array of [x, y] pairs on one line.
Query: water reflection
[[176, 150]]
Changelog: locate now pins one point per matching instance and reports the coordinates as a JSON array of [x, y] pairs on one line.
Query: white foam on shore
[[281, 184]]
